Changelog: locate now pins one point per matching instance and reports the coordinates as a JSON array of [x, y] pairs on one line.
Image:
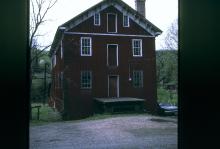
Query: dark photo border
[[199, 77], [14, 74]]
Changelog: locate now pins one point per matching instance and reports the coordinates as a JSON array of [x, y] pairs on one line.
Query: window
[[61, 79], [125, 21], [54, 60], [137, 79], [97, 19], [86, 79], [112, 55], [61, 50], [137, 47], [111, 23], [86, 46]]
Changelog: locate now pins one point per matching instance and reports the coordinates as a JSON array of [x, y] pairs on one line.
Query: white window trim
[[116, 22], [111, 34], [90, 51], [61, 49], [54, 60], [81, 80], [127, 20], [99, 19], [116, 52], [141, 54]]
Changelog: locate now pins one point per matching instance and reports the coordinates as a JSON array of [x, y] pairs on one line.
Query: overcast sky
[[159, 12]]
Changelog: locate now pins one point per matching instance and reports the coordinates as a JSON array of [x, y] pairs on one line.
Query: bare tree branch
[[37, 54], [171, 39], [40, 9]]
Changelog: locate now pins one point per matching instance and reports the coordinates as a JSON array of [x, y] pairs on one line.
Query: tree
[[166, 61], [38, 12], [171, 38]]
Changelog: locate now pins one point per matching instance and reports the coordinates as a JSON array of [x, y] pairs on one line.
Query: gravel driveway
[[125, 132]]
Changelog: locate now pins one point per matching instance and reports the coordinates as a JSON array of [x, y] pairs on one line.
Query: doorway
[[113, 86]]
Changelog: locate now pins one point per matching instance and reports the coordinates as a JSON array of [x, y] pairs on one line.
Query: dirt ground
[[125, 132]]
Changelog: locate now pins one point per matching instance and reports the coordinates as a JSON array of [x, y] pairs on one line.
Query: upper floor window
[[54, 60], [137, 79], [125, 21], [61, 49], [86, 79], [97, 19], [86, 46], [137, 47], [111, 23]]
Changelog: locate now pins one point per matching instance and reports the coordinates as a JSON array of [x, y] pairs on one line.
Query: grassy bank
[[46, 115]]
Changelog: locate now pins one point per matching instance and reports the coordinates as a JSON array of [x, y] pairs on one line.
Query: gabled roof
[[119, 5]]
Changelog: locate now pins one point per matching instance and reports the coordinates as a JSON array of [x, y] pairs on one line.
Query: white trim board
[[104, 34]]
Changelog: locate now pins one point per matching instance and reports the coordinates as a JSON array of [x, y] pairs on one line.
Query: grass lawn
[[47, 115]]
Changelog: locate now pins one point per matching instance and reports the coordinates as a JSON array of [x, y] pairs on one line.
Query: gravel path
[[126, 132]]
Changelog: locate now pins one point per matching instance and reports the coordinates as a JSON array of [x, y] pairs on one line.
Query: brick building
[[106, 51]]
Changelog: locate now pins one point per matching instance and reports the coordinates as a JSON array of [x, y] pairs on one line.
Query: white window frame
[[133, 48], [141, 79], [116, 22], [128, 20], [99, 20], [90, 46], [90, 81], [54, 60], [61, 49]]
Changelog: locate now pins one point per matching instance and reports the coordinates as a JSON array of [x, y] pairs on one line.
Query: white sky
[[160, 12]]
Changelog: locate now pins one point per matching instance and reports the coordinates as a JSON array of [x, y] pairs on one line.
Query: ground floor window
[[138, 78], [86, 79]]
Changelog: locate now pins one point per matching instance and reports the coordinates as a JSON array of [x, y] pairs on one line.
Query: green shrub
[[166, 96]]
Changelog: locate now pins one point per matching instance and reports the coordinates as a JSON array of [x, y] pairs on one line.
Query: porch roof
[[120, 99]]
